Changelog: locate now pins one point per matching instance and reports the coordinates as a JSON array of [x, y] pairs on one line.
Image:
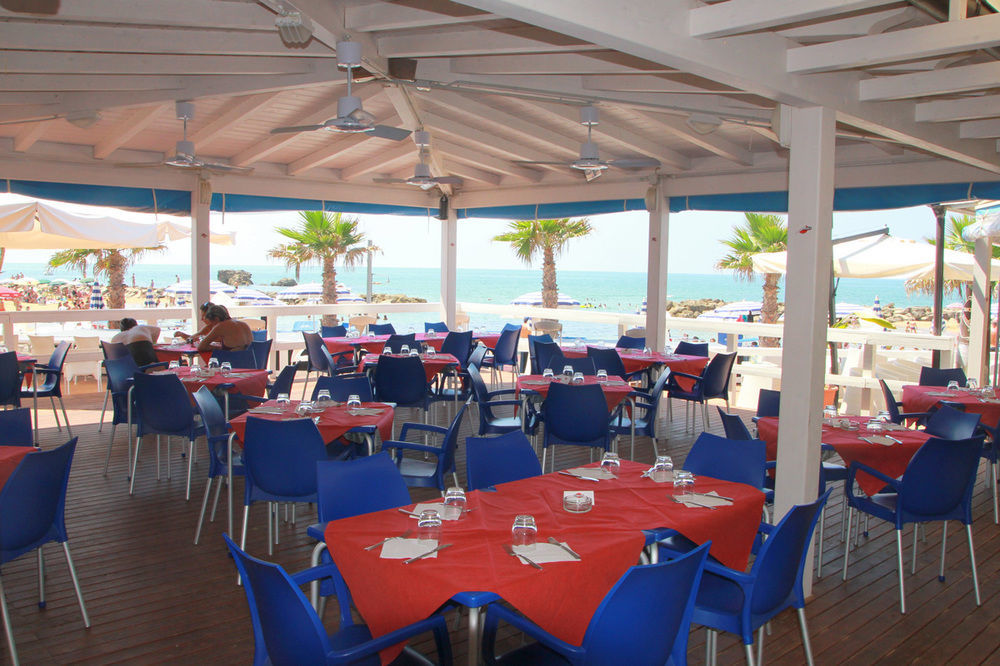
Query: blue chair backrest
[[941, 376], [548, 355], [477, 356], [381, 329], [533, 351], [891, 405], [314, 348], [692, 348], [606, 359], [576, 413], [436, 326], [459, 345], [663, 596], [286, 628], [734, 426], [211, 412], [584, 365], [446, 458], [114, 349], [506, 350], [33, 501], [628, 342], [283, 384], [400, 379], [479, 390], [363, 485], [778, 567], [281, 457], [10, 379], [59, 355], [768, 402], [163, 404], [243, 358], [939, 476], [397, 340], [120, 372], [493, 460], [715, 378], [738, 461], [15, 427], [261, 351], [338, 331], [949, 423], [342, 386], [259, 336]]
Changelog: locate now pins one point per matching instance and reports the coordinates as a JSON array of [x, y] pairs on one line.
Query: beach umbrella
[[310, 290], [96, 300], [184, 288], [877, 307], [732, 311], [534, 298], [150, 299], [350, 298], [8, 294], [252, 296]]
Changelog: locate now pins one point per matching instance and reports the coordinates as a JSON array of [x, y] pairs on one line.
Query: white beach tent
[[251, 296], [732, 311], [883, 257], [534, 298]]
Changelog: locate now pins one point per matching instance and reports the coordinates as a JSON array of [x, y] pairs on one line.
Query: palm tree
[[292, 256], [113, 263], [529, 238], [758, 233], [324, 238]]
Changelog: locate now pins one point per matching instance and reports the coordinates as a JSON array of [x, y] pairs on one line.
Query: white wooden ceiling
[[497, 83]]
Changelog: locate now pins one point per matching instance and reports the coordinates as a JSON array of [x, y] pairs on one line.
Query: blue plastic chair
[[733, 426], [261, 352], [644, 619], [10, 380], [713, 383], [533, 340], [936, 486], [282, 384], [51, 386], [647, 403], [163, 407], [741, 603], [768, 403], [402, 380], [287, 631], [692, 348], [575, 415], [739, 461], [505, 353], [610, 361], [15, 427], [33, 506], [280, 466], [381, 329], [217, 434], [397, 340], [946, 422], [459, 345], [343, 386], [321, 360], [941, 376], [120, 372], [259, 336], [435, 326], [892, 406], [338, 331], [243, 358], [115, 351], [493, 460], [628, 342], [489, 421], [420, 473], [548, 354]]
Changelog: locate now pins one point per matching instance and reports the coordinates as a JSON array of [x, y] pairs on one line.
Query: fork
[[510, 551], [387, 540], [695, 502]]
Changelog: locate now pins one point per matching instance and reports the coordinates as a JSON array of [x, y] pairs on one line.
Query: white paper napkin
[[442, 510], [592, 473], [267, 410], [710, 499], [544, 553], [404, 549], [894, 426], [879, 439]]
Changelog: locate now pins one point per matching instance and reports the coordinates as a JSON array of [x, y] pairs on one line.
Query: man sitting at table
[[203, 331], [139, 339], [226, 333]]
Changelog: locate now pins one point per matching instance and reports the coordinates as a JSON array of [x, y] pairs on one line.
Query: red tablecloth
[[432, 364], [175, 352], [923, 398], [248, 382], [562, 597], [10, 458], [334, 422], [372, 344], [890, 460], [488, 339], [433, 339], [615, 389], [25, 359], [635, 360]]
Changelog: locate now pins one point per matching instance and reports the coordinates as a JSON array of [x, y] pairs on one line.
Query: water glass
[[353, 401], [883, 416], [226, 368], [547, 373], [524, 531], [303, 408], [875, 426], [283, 400], [683, 481], [454, 502], [323, 398], [352, 332], [663, 469], [428, 528], [646, 351], [972, 383], [829, 414], [610, 462], [667, 349], [413, 352], [602, 375], [213, 362], [3, 349], [568, 372], [411, 330], [431, 352], [174, 365], [577, 377], [405, 350], [953, 385]]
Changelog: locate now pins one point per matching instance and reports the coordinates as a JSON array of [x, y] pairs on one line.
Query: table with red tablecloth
[[25, 360], [615, 388], [10, 458], [174, 352], [890, 460], [433, 365], [636, 360], [334, 422], [373, 344], [242, 380], [925, 398], [562, 597], [488, 339]]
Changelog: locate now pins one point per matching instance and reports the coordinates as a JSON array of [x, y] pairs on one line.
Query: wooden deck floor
[[153, 596]]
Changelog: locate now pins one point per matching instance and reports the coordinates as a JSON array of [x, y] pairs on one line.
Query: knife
[[729, 499], [688, 500], [556, 542], [510, 551], [578, 476], [429, 552]]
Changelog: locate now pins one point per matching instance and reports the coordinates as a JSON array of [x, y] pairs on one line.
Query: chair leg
[[304, 384], [993, 486], [913, 558], [847, 542], [8, 627], [215, 502], [899, 564], [819, 545], [104, 410], [62, 406], [944, 546], [760, 646], [76, 584], [805, 636], [111, 441], [709, 651], [55, 413], [135, 463], [317, 551], [270, 528], [41, 578], [749, 652], [246, 519], [972, 562], [187, 489], [204, 505]]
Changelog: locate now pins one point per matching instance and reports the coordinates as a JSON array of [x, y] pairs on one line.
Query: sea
[[600, 290]]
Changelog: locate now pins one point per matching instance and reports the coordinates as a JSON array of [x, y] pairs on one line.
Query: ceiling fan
[[590, 161], [184, 156], [422, 172], [351, 117]]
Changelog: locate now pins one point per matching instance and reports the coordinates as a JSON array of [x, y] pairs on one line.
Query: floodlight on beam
[[293, 28]]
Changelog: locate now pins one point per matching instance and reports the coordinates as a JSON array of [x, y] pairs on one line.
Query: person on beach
[[227, 333], [196, 337], [139, 339]]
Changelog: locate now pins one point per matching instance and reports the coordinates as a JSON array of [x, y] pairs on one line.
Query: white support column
[[803, 357], [449, 261], [656, 267], [979, 346], [201, 267]]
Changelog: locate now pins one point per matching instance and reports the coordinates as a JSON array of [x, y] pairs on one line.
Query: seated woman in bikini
[[226, 333], [193, 338]]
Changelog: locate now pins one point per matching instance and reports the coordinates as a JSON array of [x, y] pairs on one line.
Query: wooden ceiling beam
[[380, 17], [318, 158], [27, 137], [454, 152], [967, 108], [711, 142], [61, 62], [120, 134], [188, 13], [386, 159], [948, 81], [740, 16], [235, 111], [553, 63], [468, 43]]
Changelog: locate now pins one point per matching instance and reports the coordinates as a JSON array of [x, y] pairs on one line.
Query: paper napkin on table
[[879, 439], [700, 501], [592, 473], [544, 553], [437, 506], [941, 394], [365, 412], [668, 476], [894, 426], [267, 410], [404, 549]]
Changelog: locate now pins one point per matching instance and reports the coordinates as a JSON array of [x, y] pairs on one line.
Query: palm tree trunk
[[116, 280], [769, 306], [298, 273], [3, 252], [550, 291], [329, 288]]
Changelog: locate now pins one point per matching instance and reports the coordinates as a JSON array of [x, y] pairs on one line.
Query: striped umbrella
[[877, 307], [96, 300], [150, 300]]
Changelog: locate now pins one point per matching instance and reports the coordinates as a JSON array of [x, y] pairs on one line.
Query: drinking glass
[[663, 469], [953, 385], [610, 462], [303, 408], [428, 528], [226, 368], [683, 481], [602, 375], [411, 330], [3, 349], [579, 343], [413, 352], [547, 373], [454, 502], [213, 362], [174, 365], [323, 398], [568, 372], [283, 400], [829, 414], [353, 401], [524, 531], [883, 416], [431, 352], [875, 426], [645, 350], [404, 350], [972, 383], [577, 377], [667, 349], [352, 332]]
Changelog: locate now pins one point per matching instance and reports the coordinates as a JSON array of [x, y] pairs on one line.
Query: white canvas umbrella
[[310, 290], [534, 298], [253, 296], [184, 288]]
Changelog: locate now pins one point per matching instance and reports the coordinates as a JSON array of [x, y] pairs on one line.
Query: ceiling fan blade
[[228, 168], [448, 180], [296, 128], [391, 133], [635, 163], [141, 165], [389, 180]]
